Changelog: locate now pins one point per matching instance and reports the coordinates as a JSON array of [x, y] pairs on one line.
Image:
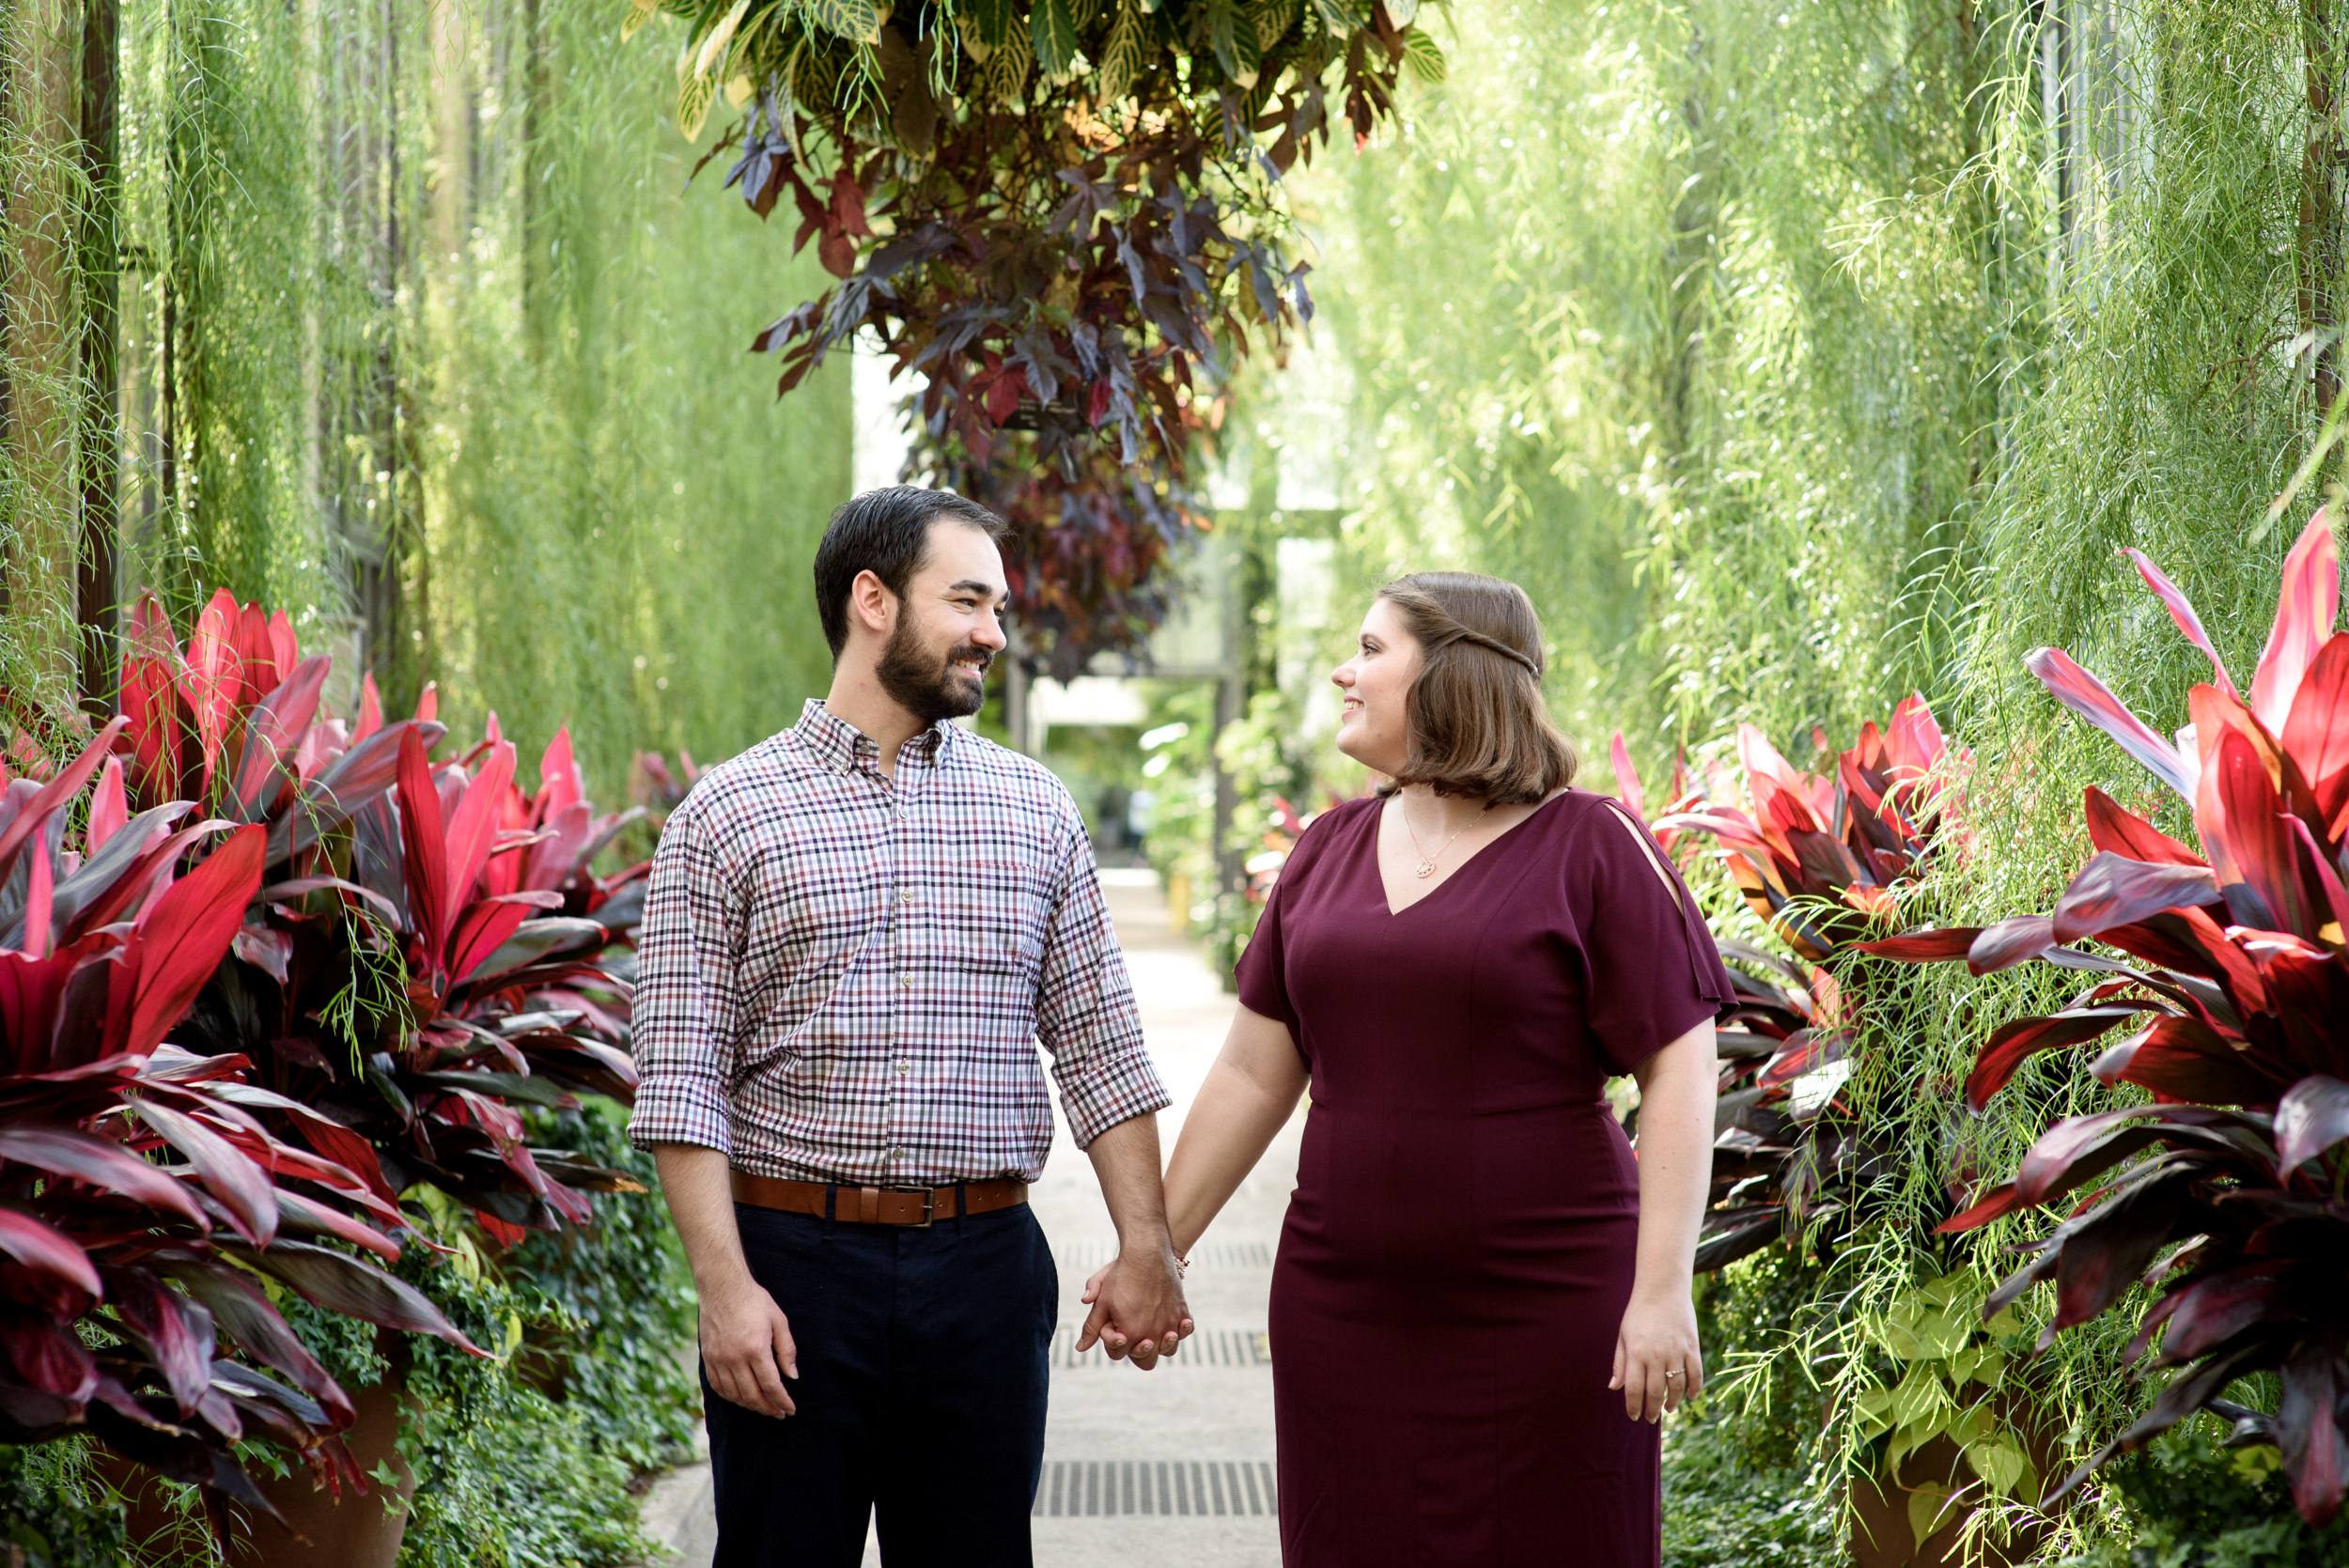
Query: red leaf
[[2085, 695], [243, 1187], [354, 1289], [1002, 395], [178, 1333], [109, 807], [2012, 1043], [302, 1216], [2316, 733], [2185, 1059], [210, 680], [2258, 839], [56, 793], [2313, 1116], [1626, 777], [49, 1358], [245, 1315], [184, 938], [2122, 832], [2113, 1245], [2010, 942], [2306, 607], [273, 732], [102, 1163], [2113, 890], [1999, 1203], [370, 709], [1925, 947], [423, 847], [2316, 1452], [46, 1249], [473, 831], [2182, 611]]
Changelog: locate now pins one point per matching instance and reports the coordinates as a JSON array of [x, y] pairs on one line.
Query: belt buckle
[[929, 1205]]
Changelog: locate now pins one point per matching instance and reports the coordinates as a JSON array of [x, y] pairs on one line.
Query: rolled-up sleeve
[[1084, 1008], [688, 1016]]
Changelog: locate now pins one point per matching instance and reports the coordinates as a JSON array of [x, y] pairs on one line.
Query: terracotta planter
[[321, 1530], [1881, 1536]]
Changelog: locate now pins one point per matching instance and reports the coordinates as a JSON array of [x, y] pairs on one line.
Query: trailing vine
[[1066, 219]]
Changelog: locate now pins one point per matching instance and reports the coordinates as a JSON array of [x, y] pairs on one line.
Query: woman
[[1480, 1307]]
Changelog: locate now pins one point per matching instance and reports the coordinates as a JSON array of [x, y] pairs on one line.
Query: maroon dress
[[1460, 1245]]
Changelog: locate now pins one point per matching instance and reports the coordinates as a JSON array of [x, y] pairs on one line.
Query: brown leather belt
[[879, 1205]]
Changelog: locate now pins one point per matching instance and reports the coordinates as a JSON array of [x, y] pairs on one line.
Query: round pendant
[[1426, 868]]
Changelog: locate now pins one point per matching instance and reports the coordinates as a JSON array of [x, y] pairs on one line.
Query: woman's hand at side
[[1657, 1360]]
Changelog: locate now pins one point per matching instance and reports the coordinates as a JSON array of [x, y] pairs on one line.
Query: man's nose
[[989, 633]]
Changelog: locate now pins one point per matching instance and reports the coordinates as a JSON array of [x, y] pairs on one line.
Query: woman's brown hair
[[1474, 718]]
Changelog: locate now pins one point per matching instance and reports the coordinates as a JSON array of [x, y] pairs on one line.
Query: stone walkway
[[1169, 1468]]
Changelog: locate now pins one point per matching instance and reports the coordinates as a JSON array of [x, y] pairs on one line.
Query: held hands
[[747, 1349], [1657, 1362], [1138, 1307]]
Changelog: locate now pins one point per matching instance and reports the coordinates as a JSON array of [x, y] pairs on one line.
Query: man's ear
[[871, 605]]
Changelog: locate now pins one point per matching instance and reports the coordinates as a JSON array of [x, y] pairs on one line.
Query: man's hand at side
[[746, 1340], [1138, 1307]]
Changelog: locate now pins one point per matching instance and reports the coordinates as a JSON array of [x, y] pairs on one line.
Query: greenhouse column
[[101, 450]]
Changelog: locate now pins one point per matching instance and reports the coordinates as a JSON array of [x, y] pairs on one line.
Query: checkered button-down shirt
[[842, 978]]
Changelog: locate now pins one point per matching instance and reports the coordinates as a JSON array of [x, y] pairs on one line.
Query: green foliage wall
[[425, 341], [621, 516]]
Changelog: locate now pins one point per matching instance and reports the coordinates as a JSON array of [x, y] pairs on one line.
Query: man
[[855, 933]]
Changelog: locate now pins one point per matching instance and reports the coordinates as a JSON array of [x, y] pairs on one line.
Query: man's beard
[[931, 690]]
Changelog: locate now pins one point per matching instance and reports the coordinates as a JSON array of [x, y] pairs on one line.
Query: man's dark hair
[[887, 533]]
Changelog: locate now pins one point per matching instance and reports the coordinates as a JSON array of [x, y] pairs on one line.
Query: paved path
[[1169, 1468]]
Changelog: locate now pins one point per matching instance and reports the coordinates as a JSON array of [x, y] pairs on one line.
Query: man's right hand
[[747, 1350]]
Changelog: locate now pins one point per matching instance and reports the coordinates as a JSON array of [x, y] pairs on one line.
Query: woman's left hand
[[1657, 1362]]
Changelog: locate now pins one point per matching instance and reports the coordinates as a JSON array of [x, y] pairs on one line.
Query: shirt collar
[[840, 746]]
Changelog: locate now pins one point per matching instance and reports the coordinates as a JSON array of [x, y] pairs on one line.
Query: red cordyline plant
[[422, 953], [142, 1201], [1822, 860], [2225, 1192]]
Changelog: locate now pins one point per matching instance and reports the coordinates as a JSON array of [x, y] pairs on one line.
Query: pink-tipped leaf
[[2087, 697], [2182, 611], [2305, 611]]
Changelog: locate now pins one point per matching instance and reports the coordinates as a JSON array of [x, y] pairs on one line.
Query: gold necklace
[[1426, 866]]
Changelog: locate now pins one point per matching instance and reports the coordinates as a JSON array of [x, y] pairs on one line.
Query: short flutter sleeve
[[1262, 984], [1652, 971]]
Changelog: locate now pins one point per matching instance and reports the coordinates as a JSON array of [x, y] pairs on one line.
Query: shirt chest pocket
[[987, 916]]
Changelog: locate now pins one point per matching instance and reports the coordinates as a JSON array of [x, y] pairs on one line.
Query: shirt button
[[905, 980], [904, 1067], [905, 896]]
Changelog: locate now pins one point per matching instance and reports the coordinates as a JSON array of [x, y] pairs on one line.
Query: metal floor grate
[[1087, 1488], [1210, 1348], [1083, 1257]]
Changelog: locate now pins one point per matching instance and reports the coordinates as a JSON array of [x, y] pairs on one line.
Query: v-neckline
[[1377, 825]]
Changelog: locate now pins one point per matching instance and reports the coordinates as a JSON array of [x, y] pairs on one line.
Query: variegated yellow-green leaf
[[1006, 68], [1401, 12], [1339, 16], [1273, 19], [1053, 25], [738, 89], [692, 105], [1122, 55], [639, 13], [1421, 57], [994, 21], [855, 20], [714, 45], [973, 45]]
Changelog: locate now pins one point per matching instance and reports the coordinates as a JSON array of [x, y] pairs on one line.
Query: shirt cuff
[[1115, 1090], [671, 1110]]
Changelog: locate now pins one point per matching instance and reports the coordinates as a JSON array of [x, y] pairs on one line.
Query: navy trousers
[[921, 1394]]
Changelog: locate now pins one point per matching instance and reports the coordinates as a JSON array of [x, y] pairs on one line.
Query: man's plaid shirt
[[843, 979]]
